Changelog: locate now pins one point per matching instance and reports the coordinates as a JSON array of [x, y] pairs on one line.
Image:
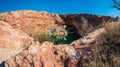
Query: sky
[[99, 7]]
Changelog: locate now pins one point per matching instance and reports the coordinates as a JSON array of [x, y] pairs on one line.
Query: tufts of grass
[[106, 51]]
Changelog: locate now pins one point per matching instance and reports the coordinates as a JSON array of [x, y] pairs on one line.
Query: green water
[[56, 39]]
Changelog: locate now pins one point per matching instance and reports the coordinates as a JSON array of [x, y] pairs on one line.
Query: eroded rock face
[[13, 38], [12, 41], [32, 22]]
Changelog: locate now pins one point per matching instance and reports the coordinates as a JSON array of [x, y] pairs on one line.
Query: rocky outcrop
[[18, 49], [43, 23], [32, 22], [94, 20], [46, 55], [12, 41], [82, 24], [49, 55], [86, 41], [13, 38]]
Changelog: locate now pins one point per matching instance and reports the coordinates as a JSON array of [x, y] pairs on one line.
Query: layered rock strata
[[18, 48]]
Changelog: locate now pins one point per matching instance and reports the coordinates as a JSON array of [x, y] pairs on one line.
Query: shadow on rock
[[2, 64]]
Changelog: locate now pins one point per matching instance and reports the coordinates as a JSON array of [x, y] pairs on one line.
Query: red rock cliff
[[18, 49]]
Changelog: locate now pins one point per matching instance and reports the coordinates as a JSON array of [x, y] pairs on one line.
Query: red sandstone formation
[[49, 55], [13, 38], [21, 51], [12, 41], [31, 22], [17, 49], [46, 55]]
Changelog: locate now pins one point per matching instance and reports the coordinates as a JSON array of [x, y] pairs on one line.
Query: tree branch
[[116, 4]]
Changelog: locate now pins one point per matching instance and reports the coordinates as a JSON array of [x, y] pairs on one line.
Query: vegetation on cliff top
[[106, 51]]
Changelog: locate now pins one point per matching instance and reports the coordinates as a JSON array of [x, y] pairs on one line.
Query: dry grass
[[84, 27], [106, 51]]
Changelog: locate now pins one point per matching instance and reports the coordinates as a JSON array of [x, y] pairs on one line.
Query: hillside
[[21, 45]]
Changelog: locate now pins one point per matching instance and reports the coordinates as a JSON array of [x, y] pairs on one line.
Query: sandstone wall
[[33, 23], [12, 41]]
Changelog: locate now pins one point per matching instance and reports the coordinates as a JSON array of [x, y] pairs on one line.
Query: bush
[[106, 51]]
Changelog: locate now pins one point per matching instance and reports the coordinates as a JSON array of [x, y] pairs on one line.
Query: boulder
[[45, 55], [12, 41]]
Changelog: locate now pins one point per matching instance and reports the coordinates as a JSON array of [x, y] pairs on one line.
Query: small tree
[[116, 4]]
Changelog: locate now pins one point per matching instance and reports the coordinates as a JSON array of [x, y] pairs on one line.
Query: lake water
[[56, 39]]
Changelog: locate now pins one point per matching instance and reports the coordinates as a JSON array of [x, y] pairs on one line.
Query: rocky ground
[[19, 49]]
